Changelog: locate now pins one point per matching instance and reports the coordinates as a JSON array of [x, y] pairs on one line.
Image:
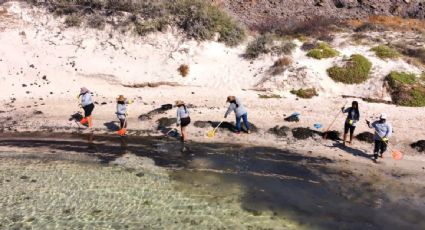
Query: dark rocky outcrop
[[292, 15]]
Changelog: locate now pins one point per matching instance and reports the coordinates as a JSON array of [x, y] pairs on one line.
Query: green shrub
[[406, 90], [385, 52], [396, 78], [260, 45], [323, 50], [305, 93], [355, 71], [73, 20], [201, 20]]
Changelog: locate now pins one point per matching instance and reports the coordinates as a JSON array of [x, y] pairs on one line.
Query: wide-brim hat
[[231, 98], [179, 103], [84, 90], [383, 116], [121, 98]]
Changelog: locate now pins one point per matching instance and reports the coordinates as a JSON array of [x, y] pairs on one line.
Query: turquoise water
[[148, 183]]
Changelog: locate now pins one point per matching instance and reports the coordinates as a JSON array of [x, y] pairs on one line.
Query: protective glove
[[130, 102], [385, 139], [351, 122]]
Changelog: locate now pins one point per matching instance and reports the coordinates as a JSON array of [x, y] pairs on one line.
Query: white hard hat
[[383, 116]]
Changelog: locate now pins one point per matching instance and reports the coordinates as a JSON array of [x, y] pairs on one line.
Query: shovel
[[211, 133]]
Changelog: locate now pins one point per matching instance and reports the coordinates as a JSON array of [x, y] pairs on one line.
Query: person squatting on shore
[[351, 121], [86, 102], [183, 118], [383, 131], [240, 112], [122, 114]]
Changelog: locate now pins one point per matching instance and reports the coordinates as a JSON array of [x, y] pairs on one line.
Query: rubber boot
[[122, 132], [90, 122], [84, 121]]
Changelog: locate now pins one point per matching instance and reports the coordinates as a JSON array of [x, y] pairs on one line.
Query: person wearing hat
[[352, 118], [122, 103], [383, 131], [86, 102], [236, 106], [183, 118]]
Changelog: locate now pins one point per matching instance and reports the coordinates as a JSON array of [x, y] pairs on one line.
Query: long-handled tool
[[333, 122], [395, 154], [211, 133]]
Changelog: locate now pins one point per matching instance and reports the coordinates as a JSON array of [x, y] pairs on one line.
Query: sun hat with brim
[[84, 90], [383, 116], [179, 103], [121, 98], [231, 98]]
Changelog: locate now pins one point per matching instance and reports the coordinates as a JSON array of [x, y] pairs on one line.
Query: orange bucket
[[397, 155]]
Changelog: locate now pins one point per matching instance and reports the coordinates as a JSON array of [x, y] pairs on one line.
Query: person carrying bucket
[[351, 121], [383, 131], [183, 118], [122, 103], [240, 112], [86, 102]]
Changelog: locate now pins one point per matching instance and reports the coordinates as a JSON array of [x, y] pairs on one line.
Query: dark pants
[[348, 127], [123, 123], [380, 148], [88, 109], [245, 121]]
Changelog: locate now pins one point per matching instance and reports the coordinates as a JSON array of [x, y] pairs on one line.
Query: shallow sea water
[[69, 183]]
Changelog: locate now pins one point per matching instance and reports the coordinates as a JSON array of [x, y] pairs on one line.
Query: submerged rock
[[419, 146]]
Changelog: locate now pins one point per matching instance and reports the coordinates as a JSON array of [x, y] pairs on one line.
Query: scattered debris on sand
[[332, 135], [165, 122], [161, 110], [365, 137], [281, 131], [304, 133], [419, 145]]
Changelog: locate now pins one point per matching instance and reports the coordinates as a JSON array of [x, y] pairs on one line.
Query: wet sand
[[272, 186]]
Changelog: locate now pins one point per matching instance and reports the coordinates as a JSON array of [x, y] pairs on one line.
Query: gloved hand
[[385, 139], [351, 122], [130, 101]]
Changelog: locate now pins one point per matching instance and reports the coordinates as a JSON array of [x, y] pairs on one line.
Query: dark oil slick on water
[[286, 184]]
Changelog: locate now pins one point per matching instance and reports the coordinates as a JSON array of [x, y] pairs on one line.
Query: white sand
[[106, 60]]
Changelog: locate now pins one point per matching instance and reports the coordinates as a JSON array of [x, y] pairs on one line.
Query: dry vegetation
[[183, 70], [268, 43], [305, 93], [388, 23], [280, 65], [197, 18]]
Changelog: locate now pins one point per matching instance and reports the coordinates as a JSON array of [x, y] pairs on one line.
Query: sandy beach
[[43, 65]]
